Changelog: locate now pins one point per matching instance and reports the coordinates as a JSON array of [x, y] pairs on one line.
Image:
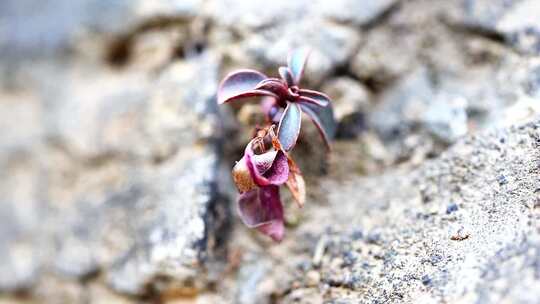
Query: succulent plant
[[266, 164], [284, 100]]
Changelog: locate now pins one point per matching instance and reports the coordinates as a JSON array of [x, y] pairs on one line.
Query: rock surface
[[516, 20], [448, 231], [115, 159], [119, 182]]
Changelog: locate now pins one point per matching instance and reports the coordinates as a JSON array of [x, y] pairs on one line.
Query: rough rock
[[388, 52], [402, 107], [382, 66], [268, 30], [258, 14], [351, 100], [348, 96], [444, 106], [447, 119], [516, 20], [122, 180], [332, 45], [398, 242], [251, 276], [48, 30], [358, 13], [115, 162]]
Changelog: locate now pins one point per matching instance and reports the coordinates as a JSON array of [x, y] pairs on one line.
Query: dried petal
[[276, 174], [314, 97], [323, 118], [275, 142], [242, 177], [286, 75], [296, 183], [262, 209], [289, 126], [296, 62], [240, 84]]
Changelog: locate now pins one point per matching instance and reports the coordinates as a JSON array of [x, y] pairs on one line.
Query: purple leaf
[[239, 84], [289, 126], [278, 172], [323, 118], [264, 161], [286, 75], [270, 168], [296, 62], [273, 85], [314, 97], [262, 209]]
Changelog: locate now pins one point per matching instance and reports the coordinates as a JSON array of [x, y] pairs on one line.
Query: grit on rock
[[115, 159]]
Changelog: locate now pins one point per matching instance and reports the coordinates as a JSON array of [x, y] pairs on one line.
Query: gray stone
[[446, 106], [423, 253], [49, 29], [253, 15], [75, 256], [354, 12], [112, 152], [332, 45], [42, 29], [21, 244], [446, 117], [250, 277], [170, 225], [403, 107], [19, 270], [386, 55], [106, 171], [512, 270], [175, 8], [348, 96], [127, 175], [487, 13], [271, 29], [516, 20]]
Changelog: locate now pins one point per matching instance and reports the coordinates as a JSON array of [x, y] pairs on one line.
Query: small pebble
[[357, 234], [460, 235], [502, 180], [319, 251], [435, 258], [374, 237], [426, 280], [313, 278], [349, 258], [452, 207]]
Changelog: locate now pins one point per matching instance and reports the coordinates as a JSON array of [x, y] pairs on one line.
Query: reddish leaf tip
[[314, 97]]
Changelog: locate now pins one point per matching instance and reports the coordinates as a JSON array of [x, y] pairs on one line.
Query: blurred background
[[115, 159]]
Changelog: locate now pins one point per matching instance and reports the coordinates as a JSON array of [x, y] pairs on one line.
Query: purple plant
[[266, 164]]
